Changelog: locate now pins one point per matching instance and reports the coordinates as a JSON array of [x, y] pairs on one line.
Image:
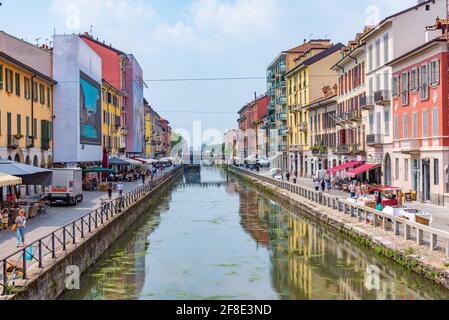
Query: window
[[35, 93], [48, 97], [371, 122], [425, 123], [396, 127], [35, 128], [370, 57], [414, 85], [424, 82], [19, 124], [396, 164], [1, 76], [435, 72], [415, 125], [387, 120], [386, 49], [42, 94], [405, 125], [9, 81], [405, 88], [435, 128], [109, 98], [27, 88], [17, 75], [396, 86], [377, 53], [436, 169], [386, 80], [406, 170], [378, 82]]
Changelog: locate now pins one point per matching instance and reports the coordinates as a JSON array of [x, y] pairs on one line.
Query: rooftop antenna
[[91, 30], [37, 41]]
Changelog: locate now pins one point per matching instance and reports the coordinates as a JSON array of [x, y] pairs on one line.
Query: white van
[[67, 186]]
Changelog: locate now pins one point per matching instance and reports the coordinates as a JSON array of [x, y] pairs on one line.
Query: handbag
[[14, 227]]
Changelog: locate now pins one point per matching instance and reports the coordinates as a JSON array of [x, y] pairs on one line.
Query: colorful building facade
[[26, 102], [420, 154], [306, 82]]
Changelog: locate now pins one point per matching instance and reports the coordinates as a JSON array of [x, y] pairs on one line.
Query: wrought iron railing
[[16, 266]]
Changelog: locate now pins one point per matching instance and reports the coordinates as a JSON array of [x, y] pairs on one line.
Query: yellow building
[[26, 109], [149, 148], [112, 122], [305, 83]]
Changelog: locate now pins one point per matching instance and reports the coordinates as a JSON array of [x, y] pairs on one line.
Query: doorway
[[426, 179], [387, 170]]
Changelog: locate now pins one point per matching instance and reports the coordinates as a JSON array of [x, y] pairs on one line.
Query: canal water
[[211, 236]]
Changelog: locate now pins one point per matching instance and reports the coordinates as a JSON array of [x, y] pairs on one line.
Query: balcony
[[282, 116], [271, 91], [303, 127], [343, 149], [13, 142], [45, 144], [282, 68], [319, 150], [374, 140], [30, 142], [283, 131], [411, 146], [382, 97], [355, 116], [281, 100], [367, 103], [282, 84]]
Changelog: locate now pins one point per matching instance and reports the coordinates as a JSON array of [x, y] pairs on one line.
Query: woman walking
[[20, 228]]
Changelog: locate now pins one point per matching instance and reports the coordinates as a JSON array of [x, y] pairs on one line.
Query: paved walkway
[[439, 214], [57, 217]]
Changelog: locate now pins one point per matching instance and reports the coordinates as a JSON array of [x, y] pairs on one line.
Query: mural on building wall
[[90, 110], [138, 114]]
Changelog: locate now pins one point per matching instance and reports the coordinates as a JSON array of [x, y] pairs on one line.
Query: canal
[[211, 236]]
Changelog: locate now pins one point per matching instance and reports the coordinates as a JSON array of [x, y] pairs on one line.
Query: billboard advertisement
[[90, 111]]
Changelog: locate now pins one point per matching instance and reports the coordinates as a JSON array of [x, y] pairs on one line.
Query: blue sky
[[198, 39]]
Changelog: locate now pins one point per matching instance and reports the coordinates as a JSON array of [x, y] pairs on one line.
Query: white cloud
[[102, 13]]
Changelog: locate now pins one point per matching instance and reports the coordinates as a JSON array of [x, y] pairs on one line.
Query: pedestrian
[[316, 184], [287, 175], [352, 190], [120, 189], [110, 190], [19, 227], [295, 177], [323, 185], [143, 178]]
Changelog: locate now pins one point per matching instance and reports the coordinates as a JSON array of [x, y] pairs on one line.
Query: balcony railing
[[343, 149], [303, 126], [13, 142], [30, 142], [367, 103], [283, 131], [45, 144], [282, 67], [282, 116], [382, 97], [281, 100], [282, 84], [374, 139], [411, 146]]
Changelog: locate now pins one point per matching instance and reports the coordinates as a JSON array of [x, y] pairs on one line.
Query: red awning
[[344, 166], [139, 160], [362, 169]]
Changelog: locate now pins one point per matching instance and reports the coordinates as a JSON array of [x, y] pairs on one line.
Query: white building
[[77, 100], [390, 39]]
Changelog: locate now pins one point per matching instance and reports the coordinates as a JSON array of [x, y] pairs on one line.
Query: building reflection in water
[[309, 262]]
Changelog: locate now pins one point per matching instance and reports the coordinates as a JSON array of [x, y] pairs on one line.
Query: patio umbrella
[[30, 175], [8, 180]]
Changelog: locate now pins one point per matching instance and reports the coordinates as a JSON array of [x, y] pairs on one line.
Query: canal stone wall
[[50, 282], [428, 263]]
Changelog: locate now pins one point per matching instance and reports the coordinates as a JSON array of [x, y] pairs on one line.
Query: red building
[[250, 122], [421, 121]]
